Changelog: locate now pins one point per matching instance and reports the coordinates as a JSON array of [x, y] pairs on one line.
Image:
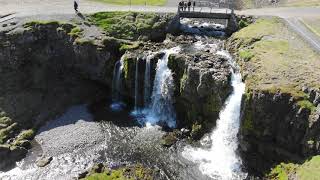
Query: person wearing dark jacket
[[76, 5], [181, 3], [194, 5], [189, 5]]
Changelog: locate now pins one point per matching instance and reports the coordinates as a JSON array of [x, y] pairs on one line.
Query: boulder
[[43, 161]]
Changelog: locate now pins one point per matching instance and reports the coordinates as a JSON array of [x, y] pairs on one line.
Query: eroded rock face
[[44, 70], [202, 85], [201, 79], [275, 129]]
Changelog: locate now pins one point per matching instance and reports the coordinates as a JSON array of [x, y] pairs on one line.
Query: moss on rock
[[306, 104], [169, 139], [76, 32], [124, 173], [8, 132]]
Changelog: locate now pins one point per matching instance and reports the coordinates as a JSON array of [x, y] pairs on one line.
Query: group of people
[[184, 5]]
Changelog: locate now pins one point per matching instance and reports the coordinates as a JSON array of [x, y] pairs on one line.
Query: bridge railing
[[205, 6]]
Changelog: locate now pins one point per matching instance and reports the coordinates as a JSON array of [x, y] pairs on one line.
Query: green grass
[[273, 58], [84, 41], [76, 32], [125, 47], [125, 173], [259, 29], [7, 132], [306, 104], [281, 171], [135, 2], [246, 55], [309, 170], [26, 135], [128, 25], [5, 120], [114, 175]]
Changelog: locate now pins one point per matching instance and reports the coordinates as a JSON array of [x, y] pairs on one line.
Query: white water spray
[[161, 106], [220, 161]]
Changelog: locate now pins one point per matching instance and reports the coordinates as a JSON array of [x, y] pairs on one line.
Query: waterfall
[[117, 103], [136, 87], [220, 161], [161, 107], [147, 81]]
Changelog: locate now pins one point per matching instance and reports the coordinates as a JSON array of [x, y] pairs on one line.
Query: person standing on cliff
[[76, 5]]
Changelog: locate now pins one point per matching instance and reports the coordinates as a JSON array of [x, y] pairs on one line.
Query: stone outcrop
[[45, 69], [275, 128], [202, 82]]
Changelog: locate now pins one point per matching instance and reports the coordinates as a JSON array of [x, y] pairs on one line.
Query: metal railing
[[201, 6]]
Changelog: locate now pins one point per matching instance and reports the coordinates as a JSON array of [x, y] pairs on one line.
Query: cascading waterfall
[[220, 161], [136, 87], [161, 108], [117, 85], [147, 81]]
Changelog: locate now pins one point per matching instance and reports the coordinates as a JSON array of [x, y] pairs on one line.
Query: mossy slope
[[309, 170], [132, 25]]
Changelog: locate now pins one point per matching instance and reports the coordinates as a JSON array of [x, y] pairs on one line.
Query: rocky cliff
[[280, 110], [201, 79], [46, 68]]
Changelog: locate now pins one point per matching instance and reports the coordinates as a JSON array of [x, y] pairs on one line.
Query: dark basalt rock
[[44, 70], [202, 85], [10, 154], [276, 129]]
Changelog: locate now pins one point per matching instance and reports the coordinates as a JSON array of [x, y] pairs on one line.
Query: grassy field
[[313, 24], [273, 58], [135, 2], [309, 170], [129, 25]]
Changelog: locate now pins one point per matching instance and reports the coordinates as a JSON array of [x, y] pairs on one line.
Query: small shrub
[[246, 55], [243, 24]]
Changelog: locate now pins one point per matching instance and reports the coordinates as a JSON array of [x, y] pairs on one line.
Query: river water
[[76, 142]]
